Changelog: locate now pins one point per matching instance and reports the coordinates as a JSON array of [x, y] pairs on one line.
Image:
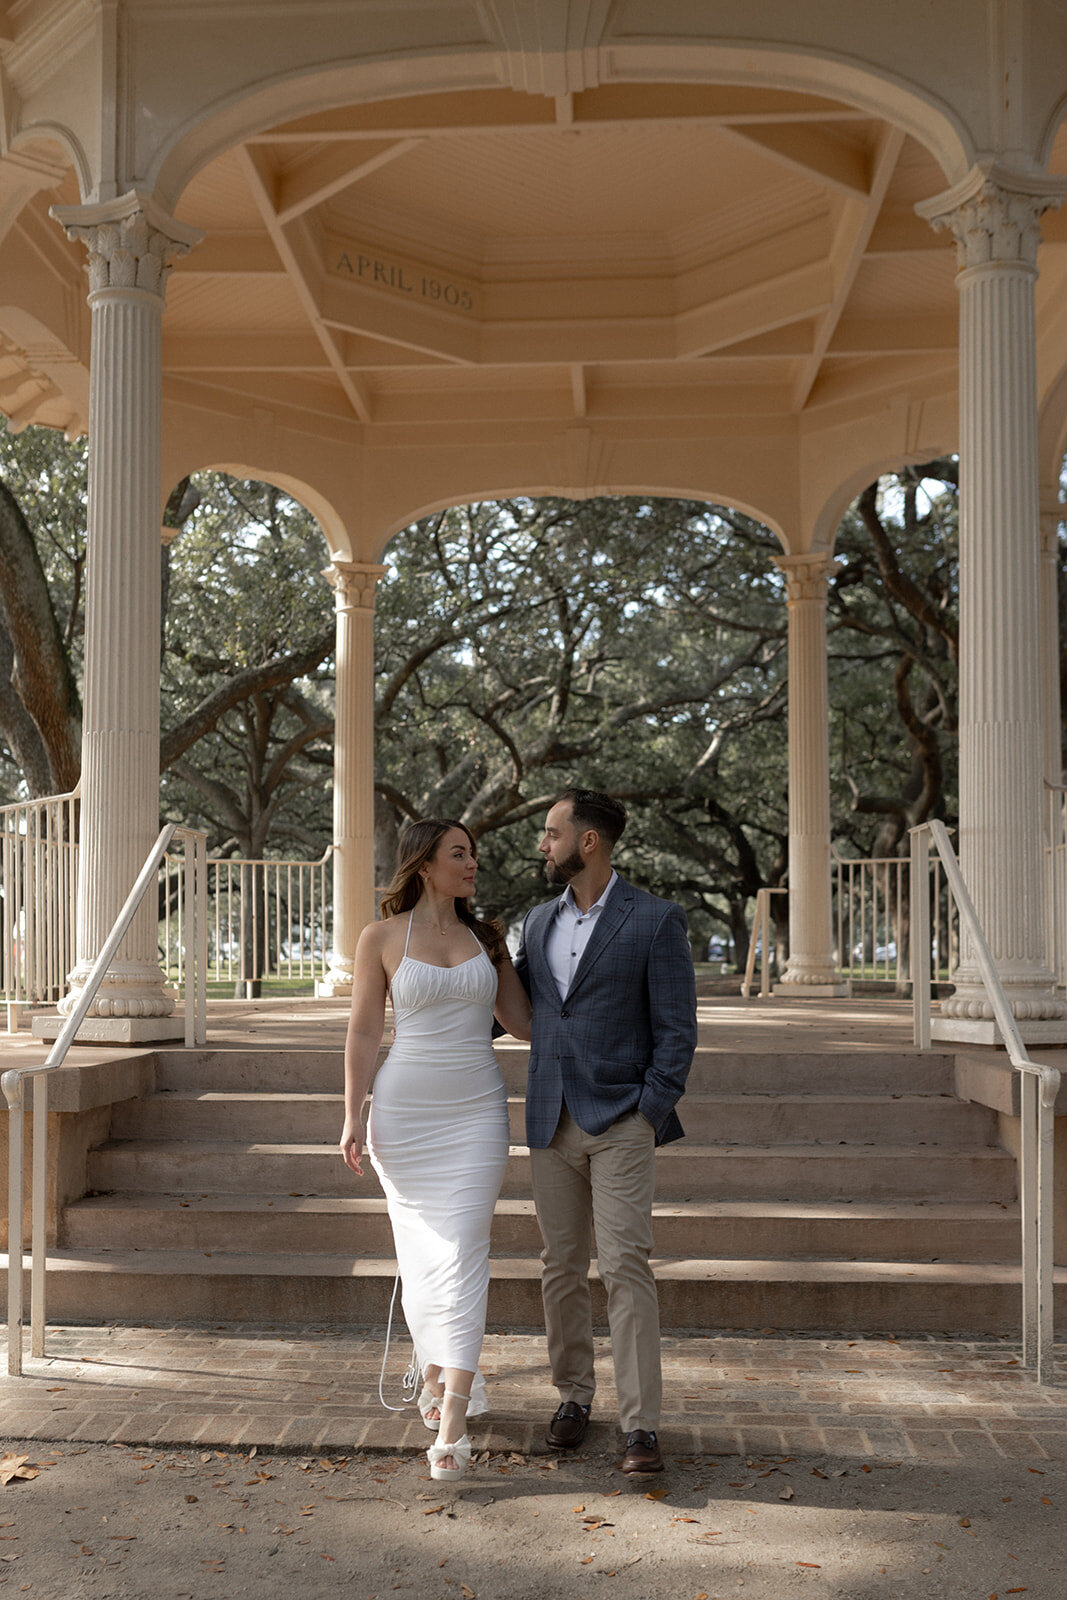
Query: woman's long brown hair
[[417, 845]]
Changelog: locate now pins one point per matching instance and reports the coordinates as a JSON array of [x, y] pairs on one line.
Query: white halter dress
[[438, 1140]]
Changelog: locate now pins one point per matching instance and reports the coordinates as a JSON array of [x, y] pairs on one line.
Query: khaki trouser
[[602, 1181]]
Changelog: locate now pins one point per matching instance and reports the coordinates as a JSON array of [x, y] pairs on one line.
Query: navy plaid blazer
[[624, 1037]]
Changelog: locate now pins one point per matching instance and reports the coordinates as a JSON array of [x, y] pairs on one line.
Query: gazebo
[[396, 257]]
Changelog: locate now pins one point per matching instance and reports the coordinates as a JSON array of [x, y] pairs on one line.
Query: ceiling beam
[[243, 352], [224, 255], [881, 336], [853, 232], [578, 389], [492, 110], [814, 153]]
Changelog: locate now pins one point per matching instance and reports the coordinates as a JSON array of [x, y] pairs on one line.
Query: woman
[[438, 1131]]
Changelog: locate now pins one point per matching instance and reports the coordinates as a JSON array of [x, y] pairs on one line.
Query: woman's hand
[[352, 1147]]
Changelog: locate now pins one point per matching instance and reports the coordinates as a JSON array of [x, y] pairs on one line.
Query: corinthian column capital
[[130, 241], [353, 584], [995, 214], [806, 576]]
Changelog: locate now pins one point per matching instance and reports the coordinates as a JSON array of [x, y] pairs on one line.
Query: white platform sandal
[[428, 1401], [460, 1452]]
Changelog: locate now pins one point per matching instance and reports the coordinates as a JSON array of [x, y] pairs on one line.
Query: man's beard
[[563, 871]]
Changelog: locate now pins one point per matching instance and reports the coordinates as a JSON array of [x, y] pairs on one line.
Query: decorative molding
[[806, 576], [995, 214], [553, 46], [353, 584], [130, 241]]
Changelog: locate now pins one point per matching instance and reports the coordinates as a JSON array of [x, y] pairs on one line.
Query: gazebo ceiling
[[491, 254]]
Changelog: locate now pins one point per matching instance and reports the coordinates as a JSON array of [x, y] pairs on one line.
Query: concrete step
[[714, 1071], [315, 1118], [321, 1225], [683, 1171], [869, 1296]]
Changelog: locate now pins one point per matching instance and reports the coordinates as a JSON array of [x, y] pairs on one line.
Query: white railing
[[871, 906], [265, 919], [760, 939], [1038, 1088], [39, 866], [13, 1083]]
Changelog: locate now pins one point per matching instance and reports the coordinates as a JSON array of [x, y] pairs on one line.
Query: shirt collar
[[566, 899]]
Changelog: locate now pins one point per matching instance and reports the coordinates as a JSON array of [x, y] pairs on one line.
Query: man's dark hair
[[591, 809]]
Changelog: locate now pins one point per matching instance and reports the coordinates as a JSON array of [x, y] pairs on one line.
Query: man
[[610, 976]]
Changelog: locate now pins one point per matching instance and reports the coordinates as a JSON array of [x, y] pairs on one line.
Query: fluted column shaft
[[353, 767], [129, 243], [811, 952], [996, 219]]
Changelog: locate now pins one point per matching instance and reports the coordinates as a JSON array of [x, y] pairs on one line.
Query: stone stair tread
[[295, 1265], [811, 1150], [284, 1097], [889, 1211]]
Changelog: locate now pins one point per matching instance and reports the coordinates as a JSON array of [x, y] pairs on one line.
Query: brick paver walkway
[[315, 1392]]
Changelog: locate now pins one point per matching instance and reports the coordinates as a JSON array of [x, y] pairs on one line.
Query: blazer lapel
[[608, 922]]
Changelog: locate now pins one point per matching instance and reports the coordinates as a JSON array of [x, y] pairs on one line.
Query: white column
[[353, 767], [130, 241], [995, 216], [810, 968]]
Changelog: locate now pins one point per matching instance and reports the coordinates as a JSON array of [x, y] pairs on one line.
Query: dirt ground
[[120, 1523]]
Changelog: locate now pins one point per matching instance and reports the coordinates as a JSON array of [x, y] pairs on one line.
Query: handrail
[[12, 1084], [1038, 1089], [762, 922]]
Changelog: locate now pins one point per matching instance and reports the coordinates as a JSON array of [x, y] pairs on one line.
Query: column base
[[836, 990], [330, 988], [114, 1030], [983, 1030], [337, 984]]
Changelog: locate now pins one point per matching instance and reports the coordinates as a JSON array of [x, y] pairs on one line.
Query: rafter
[[304, 271], [758, 308], [330, 171], [856, 225]]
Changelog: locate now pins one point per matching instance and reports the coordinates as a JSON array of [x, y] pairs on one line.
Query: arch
[[504, 490], [68, 142], [828, 520], [329, 520], [299, 91]]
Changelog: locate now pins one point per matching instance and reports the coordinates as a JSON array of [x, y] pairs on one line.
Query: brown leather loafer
[[642, 1453], [568, 1426]]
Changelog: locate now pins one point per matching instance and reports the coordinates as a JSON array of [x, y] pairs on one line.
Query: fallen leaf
[[809, 1564], [577, 1508], [965, 1522], [656, 1494], [432, 1511], [786, 1494], [468, 1594], [816, 1473], [191, 1499], [1016, 1591], [12, 1466]]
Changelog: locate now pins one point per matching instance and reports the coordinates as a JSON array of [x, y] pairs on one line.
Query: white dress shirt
[[569, 935]]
